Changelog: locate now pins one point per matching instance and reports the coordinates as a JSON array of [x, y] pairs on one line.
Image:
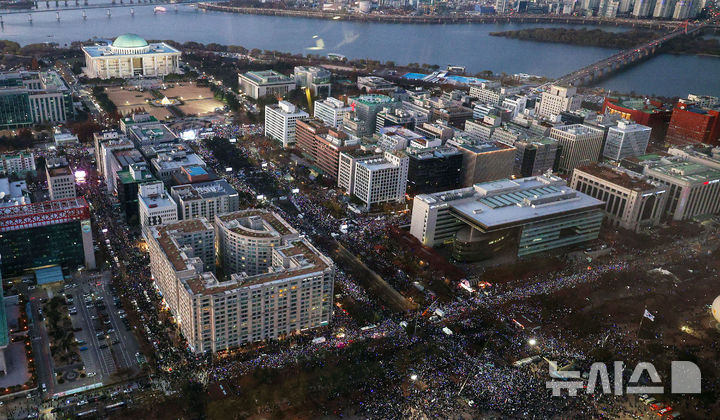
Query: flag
[[648, 315]]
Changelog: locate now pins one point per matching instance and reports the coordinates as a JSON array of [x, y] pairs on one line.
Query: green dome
[[129, 41]]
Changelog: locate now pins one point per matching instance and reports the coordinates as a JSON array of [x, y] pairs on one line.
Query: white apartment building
[[631, 201], [246, 239], [626, 139], [580, 144], [381, 179], [155, 206], [331, 111], [218, 314], [60, 179], [557, 100], [280, 122]]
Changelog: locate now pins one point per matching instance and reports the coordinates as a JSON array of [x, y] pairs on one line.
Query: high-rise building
[[557, 100], [331, 111], [501, 6], [683, 9], [631, 201], [664, 8], [535, 156], [47, 233], [643, 8], [155, 206], [580, 144], [60, 179], [205, 199], [693, 124], [524, 216], [376, 179], [130, 56], [323, 145], [280, 122], [168, 164], [128, 186], [367, 107], [257, 84], [246, 239], [317, 79], [626, 139], [434, 169], [218, 314], [31, 97], [483, 162]]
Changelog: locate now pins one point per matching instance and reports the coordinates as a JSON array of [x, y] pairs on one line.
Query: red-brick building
[[691, 124], [322, 145], [649, 112]]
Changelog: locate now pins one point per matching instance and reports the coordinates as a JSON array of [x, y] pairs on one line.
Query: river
[[464, 44]]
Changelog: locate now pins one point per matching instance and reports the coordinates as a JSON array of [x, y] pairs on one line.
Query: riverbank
[[441, 20], [685, 45]]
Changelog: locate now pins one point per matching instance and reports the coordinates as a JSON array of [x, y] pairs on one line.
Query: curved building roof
[[129, 41]]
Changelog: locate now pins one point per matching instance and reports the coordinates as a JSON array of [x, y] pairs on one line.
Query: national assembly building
[[130, 56]]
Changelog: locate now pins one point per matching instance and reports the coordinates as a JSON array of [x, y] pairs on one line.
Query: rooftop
[[203, 190], [372, 99], [578, 129], [504, 203], [126, 42], [267, 77], [617, 176], [164, 236], [256, 223]]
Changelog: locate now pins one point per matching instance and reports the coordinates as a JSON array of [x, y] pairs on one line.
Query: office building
[[346, 166], [246, 239], [557, 100], [693, 188], [117, 160], [17, 163], [167, 165], [128, 186], [693, 124], [488, 93], [47, 233], [523, 217], [280, 122], [579, 144], [434, 169], [366, 108], [626, 139], [205, 199], [145, 130], [437, 130], [99, 139], [155, 206], [60, 179], [399, 138], [399, 117], [322, 145], [664, 9], [317, 79], [703, 101], [374, 84], [375, 179], [631, 201], [32, 97], [331, 111], [484, 162], [454, 114], [482, 130], [130, 56], [218, 314], [535, 156], [257, 84], [648, 112]]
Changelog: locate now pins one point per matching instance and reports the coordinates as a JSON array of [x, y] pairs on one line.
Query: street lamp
[[413, 377], [532, 341]]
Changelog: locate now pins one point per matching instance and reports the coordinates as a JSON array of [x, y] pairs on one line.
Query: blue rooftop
[[196, 171]]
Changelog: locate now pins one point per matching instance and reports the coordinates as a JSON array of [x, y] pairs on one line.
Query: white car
[[91, 374]]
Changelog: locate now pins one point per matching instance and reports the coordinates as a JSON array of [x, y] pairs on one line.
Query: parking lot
[[107, 344]]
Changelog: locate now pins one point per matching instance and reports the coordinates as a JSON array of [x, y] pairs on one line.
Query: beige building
[[130, 56], [557, 100], [214, 314], [483, 162], [579, 145], [631, 201], [60, 179], [246, 239]]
